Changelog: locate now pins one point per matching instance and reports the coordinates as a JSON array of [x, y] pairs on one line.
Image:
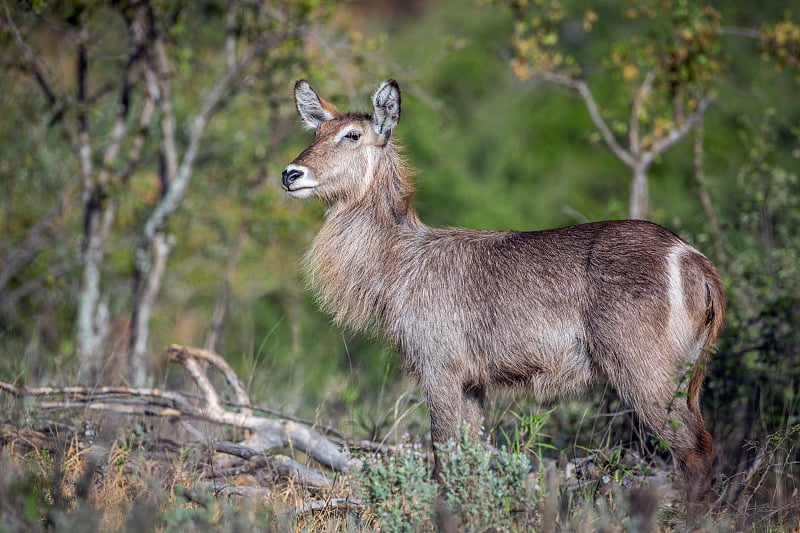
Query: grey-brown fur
[[548, 312]]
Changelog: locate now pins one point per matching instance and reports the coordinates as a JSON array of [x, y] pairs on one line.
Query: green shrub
[[478, 489], [398, 490]]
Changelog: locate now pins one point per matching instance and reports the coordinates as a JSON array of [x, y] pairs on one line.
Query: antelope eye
[[352, 135]]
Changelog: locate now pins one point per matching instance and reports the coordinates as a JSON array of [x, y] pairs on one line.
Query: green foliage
[[398, 490], [615, 468], [231, 198], [677, 44], [481, 498], [491, 153], [780, 43], [536, 38], [477, 489], [754, 376], [527, 434]]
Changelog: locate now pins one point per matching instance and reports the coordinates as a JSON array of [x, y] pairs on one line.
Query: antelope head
[[341, 162]]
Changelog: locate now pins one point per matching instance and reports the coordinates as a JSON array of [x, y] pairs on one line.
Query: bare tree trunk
[[92, 320], [639, 194], [104, 170], [150, 264], [93, 314]]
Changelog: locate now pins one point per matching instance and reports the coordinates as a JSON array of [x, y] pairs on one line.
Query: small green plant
[[616, 467], [486, 491], [528, 435], [398, 490], [478, 489]]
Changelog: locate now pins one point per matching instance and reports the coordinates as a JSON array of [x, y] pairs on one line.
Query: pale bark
[[639, 195], [149, 271], [107, 159], [93, 314]]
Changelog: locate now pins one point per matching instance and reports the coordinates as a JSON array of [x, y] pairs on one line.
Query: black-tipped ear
[[312, 109], [386, 108]]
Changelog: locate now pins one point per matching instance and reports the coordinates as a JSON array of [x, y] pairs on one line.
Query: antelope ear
[[386, 108], [312, 109]]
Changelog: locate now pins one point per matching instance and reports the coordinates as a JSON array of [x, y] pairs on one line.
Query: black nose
[[289, 176]]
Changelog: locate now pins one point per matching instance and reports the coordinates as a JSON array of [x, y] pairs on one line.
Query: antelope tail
[[714, 314]]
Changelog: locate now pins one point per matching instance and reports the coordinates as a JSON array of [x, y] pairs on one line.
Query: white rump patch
[[679, 327]]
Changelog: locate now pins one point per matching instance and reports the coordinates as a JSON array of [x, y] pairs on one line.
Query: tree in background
[[131, 88], [664, 71]]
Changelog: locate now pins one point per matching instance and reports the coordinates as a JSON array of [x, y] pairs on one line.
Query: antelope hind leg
[[666, 413]]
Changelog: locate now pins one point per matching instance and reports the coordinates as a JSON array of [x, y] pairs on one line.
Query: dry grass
[[138, 483], [144, 482]]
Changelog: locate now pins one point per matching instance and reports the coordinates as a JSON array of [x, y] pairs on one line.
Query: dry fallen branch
[[230, 491], [266, 434], [342, 504], [24, 440], [280, 465]]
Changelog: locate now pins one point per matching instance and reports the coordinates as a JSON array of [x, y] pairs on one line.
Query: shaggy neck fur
[[362, 241]]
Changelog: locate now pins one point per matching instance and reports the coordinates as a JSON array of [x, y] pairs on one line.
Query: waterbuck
[[549, 312]]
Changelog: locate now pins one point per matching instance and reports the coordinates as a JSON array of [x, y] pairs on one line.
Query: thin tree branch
[[267, 433], [717, 235], [185, 354], [115, 407], [750, 33], [676, 134], [594, 112], [22, 254], [135, 152], [169, 150], [129, 77], [89, 394], [145, 297], [177, 187], [30, 65], [634, 141], [84, 146]]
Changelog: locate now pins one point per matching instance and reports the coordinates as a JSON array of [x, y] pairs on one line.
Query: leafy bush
[[398, 490], [755, 374], [479, 490]]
